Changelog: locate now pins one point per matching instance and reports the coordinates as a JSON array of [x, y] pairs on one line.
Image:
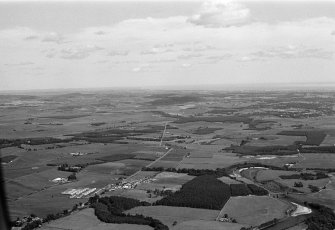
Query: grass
[[314, 137], [117, 157], [254, 210], [223, 119], [7, 159], [175, 100], [205, 130], [168, 214], [85, 219], [208, 225], [66, 116]]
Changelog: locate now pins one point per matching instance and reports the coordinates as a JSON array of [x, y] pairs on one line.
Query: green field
[[252, 210]]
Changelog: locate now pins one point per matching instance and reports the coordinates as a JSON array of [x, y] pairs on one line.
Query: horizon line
[[227, 86]]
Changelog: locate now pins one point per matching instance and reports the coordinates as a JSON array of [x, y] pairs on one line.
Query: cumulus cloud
[[291, 51], [142, 68], [221, 13], [190, 56], [218, 58], [31, 37], [26, 63], [247, 58], [100, 32], [118, 53], [186, 65], [53, 37], [158, 49], [79, 52]]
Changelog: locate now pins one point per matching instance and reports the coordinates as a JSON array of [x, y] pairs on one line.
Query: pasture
[[168, 215], [85, 219], [208, 225], [254, 210]]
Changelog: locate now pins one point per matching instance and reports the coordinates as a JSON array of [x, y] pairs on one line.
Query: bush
[[256, 190]]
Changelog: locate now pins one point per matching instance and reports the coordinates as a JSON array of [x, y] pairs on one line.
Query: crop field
[[218, 160], [10, 172], [53, 202], [175, 155], [165, 164], [158, 186], [85, 219], [325, 197], [205, 130], [148, 155], [315, 160], [114, 135], [269, 174], [38, 181], [132, 166], [318, 183], [173, 178], [105, 168], [266, 140], [312, 137], [252, 210], [208, 225], [168, 215]]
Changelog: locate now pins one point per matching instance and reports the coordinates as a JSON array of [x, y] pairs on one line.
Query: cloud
[[186, 65], [247, 58], [100, 32], [218, 58], [79, 52], [118, 53], [26, 63], [142, 68], [31, 37], [158, 49], [221, 13], [53, 37], [190, 56], [291, 51]]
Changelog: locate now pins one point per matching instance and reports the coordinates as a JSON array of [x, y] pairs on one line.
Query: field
[[86, 219], [168, 215], [208, 225], [252, 210], [114, 135], [314, 160]]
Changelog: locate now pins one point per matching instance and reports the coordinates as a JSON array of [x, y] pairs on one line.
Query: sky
[[84, 44]]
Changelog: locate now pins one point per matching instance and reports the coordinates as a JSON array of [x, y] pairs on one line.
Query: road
[[167, 152]]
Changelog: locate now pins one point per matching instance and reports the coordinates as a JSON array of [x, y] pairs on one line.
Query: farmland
[[188, 157], [254, 211]]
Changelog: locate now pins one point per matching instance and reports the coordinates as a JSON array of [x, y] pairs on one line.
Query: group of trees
[[247, 189], [68, 168], [313, 188], [111, 210], [201, 192], [219, 172], [305, 176], [323, 218], [298, 184]]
